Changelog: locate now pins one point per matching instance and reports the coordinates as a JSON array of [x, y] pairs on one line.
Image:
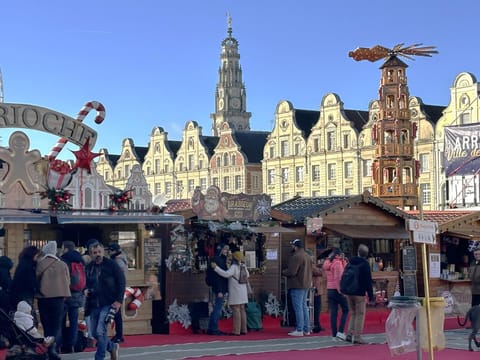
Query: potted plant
[[178, 317]]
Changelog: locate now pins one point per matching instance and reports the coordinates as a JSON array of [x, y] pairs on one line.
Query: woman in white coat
[[237, 293]]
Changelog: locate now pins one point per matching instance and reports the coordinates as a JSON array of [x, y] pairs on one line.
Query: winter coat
[[6, 265], [474, 275], [334, 271], [121, 260], [220, 284], [105, 282], [364, 277], [318, 279], [237, 293], [53, 277], [78, 298], [23, 318], [24, 284], [299, 271]]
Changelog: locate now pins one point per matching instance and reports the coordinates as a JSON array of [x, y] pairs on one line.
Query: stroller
[[22, 346]]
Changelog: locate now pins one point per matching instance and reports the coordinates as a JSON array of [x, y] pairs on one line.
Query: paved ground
[[455, 339]]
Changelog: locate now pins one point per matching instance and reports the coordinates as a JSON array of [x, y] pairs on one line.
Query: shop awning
[[369, 231], [118, 217], [270, 229], [18, 216]]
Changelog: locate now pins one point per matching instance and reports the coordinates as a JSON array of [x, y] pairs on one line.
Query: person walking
[[54, 286], [237, 292], [69, 335], [333, 267], [6, 265], [104, 296], [219, 287], [474, 276], [120, 258], [24, 284], [299, 280], [318, 285], [356, 298]]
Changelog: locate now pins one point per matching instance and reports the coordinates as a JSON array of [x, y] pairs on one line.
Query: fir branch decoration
[[58, 199], [179, 313], [120, 200]]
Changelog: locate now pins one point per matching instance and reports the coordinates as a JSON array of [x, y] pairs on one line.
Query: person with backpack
[[237, 276], [334, 266], [356, 282], [76, 266], [219, 286], [120, 258]]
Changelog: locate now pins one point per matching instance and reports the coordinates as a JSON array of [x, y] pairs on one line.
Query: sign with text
[[423, 231], [462, 149]]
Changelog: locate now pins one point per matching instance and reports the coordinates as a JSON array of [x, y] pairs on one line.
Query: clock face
[[236, 103]]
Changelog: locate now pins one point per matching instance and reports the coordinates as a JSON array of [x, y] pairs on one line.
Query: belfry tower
[[230, 94], [395, 171]]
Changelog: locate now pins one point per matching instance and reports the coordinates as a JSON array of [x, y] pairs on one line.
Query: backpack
[[349, 283], [78, 280], [243, 277]]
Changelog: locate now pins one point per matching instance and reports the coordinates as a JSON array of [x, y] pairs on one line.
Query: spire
[[229, 25], [1, 87]]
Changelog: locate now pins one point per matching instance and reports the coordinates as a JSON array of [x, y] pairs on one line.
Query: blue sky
[[155, 62]]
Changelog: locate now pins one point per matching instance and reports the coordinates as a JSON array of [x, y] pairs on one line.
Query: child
[[23, 318]]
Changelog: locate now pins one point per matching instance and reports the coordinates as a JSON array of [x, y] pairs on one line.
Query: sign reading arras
[[46, 120]]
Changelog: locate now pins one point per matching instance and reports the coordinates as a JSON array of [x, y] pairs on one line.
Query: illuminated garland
[[58, 199], [119, 200]]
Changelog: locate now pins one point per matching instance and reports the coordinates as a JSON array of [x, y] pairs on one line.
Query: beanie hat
[[24, 307], [50, 248], [238, 255]]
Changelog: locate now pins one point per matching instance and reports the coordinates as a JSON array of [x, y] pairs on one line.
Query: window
[[367, 167], [127, 171], [225, 159], [316, 145], [465, 118], [331, 141], [166, 168], [285, 148], [157, 166], [158, 188], [271, 177], [272, 152], [191, 162], [424, 163], [348, 192], [255, 181], [348, 169], [234, 160], [316, 193], [299, 173], [226, 183], [219, 161], [119, 174], [215, 181], [331, 192], [191, 186], [157, 147], [297, 149], [315, 172], [284, 175], [203, 184], [425, 193], [331, 172], [168, 187], [346, 141], [238, 182], [107, 175]]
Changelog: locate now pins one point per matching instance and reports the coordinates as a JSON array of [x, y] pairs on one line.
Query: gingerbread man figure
[[20, 163]]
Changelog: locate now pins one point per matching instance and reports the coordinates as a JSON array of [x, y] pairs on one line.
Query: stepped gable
[[251, 144]]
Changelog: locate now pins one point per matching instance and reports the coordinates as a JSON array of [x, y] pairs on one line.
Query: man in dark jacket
[[6, 265], [219, 289], [69, 335], [299, 281], [356, 302], [104, 292]]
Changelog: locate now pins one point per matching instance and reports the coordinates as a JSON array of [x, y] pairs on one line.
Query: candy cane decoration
[[81, 115]]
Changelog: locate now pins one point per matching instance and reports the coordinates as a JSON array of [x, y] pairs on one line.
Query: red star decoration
[[84, 157]]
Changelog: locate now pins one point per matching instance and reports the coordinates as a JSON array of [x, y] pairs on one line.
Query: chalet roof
[[302, 207], [462, 223], [358, 117], [252, 144], [305, 119]]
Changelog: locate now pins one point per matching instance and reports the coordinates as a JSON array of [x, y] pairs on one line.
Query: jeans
[[216, 313], [118, 324], [99, 331], [71, 333], [335, 299], [300, 308]]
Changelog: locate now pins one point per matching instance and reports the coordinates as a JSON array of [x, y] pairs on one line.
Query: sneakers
[[296, 333], [317, 329], [114, 351], [341, 336], [306, 333], [49, 340], [119, 340]]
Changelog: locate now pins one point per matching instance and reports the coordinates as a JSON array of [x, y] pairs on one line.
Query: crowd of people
[[304, 274], [44, 280]]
